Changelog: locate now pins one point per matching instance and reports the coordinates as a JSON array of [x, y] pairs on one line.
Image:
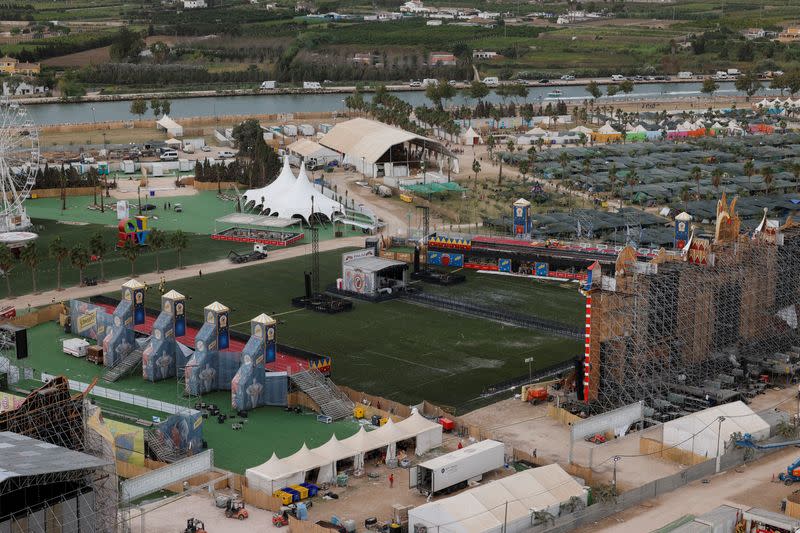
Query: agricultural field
[[394, 349]]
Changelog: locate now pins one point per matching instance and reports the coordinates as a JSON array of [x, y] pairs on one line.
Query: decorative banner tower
[[522, 218], [682, 223], [133, 291], [160, 358]]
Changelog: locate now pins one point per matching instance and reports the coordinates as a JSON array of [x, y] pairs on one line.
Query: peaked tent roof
[[282, 183], [298, 200]]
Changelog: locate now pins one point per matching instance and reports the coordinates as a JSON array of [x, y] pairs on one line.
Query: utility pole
[[529, 360], [719, 436]]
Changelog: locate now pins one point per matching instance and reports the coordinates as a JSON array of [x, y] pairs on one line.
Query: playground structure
[[202, 357]]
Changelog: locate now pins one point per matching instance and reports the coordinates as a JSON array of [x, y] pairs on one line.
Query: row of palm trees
[[80, 255]]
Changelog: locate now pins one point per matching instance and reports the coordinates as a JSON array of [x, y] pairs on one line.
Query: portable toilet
[[290, 130], [128, 166], [184, 165], [158, 170], [102, 168]]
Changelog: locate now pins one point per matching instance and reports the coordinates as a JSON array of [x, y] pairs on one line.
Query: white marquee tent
[[700, 432], [291, 197], [172, 128], [511, 499], [278, 473]]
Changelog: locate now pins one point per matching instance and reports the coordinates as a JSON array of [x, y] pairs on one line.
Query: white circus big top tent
[[277, 473], [291, 197]]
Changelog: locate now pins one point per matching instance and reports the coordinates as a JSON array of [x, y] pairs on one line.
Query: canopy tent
[[277, 473], [291, 197], [307, 149], [700, 432], [471, 137], [370, 145], [173, 142], [503, 505], [582, 129], [536, 132], [172, 128]]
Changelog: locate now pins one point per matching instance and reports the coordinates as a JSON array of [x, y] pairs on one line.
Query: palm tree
[[157, 240], [716, 178], [612, 177], [685, 194], [605, 493], [786, 429], [796, 174], [98, 248], [180, 242], [30, 257], [523, 169], [573, 504], [696, 174], [79, 257], [130, 251], [563, 160], [633, 179], [59, 252], [542, 517], [767, 174], [7, 260], [476, 167], [749, 170]]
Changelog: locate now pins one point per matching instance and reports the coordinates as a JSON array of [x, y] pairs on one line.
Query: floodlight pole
[[721, 419], [614, 481]]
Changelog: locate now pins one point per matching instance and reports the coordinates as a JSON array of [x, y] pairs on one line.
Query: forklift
[[234, 508], [193, 525]]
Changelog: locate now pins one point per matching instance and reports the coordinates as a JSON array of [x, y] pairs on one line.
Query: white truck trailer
[[456, 469]]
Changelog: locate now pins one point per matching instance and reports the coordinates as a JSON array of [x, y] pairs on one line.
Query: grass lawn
[[394, 349], [233, 450], [544, 299], [78, 224]]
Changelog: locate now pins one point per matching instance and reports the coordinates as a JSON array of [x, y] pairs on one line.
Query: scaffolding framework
[[705, 321]]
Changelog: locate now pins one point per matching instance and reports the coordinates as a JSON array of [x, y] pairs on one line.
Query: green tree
[[58, 252], [79, 257], [696, 174], [716, 178], [7, 263], [685, 194], [180, 242], [594, 90], [30, 257], [478, 90], [524, 166], [749, 171], [748, 83], [612, 89], [98, 247], [490, 144], [247, 135], [768, 176], [130, 251], [632, 179], [709, 87], [138, 107], [160, 51], [476, 168], [127, 44], [626, 86], [157, 240], [612, 177], [155, 105], [166, 106]]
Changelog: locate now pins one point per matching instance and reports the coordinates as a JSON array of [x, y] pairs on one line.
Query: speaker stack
[[16, 337]]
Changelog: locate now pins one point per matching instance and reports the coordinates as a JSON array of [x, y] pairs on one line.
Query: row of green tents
[[434, 188]]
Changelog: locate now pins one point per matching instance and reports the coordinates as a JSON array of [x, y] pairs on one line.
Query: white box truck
[[268, 85], [684, 75], [454, 470], [311, 85]]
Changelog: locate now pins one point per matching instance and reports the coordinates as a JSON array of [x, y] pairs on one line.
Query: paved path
[[35, 300]]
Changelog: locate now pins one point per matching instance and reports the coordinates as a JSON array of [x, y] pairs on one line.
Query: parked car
[[544, 81], [226, 154], [568, 77], [415, 83], [206, 148], [169, 155]]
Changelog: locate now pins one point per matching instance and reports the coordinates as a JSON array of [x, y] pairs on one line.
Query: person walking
[[391, 481]]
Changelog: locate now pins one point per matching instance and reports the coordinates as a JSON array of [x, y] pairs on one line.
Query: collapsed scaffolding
[[697, 326], [53, 415]]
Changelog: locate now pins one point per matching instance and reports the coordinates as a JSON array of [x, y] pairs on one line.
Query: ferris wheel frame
[[20, 158]]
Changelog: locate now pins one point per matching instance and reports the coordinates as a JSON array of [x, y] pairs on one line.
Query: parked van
[[491, 81], [430, 81], [169, 155], [188, 148], [617, 77], [268, 85], [684, 75], [311, 85]]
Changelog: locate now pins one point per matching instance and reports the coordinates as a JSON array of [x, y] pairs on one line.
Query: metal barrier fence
[[126, 397], [517, 319]]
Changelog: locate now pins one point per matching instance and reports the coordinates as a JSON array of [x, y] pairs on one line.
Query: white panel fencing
[[155, 480]]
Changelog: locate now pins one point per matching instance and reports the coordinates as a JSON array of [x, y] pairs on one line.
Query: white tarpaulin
[[278, 473], [701, 432], [510, 501]]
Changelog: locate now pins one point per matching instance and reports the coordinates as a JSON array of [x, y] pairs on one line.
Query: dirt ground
[[745, 487]]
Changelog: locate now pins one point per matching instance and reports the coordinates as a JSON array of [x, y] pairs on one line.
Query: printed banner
[[222, 331], [446, 259], [504, 265], [138, 306], [128, 441], [180, 319], [542, 269], [87, 321], [272, 348], [9, 402]]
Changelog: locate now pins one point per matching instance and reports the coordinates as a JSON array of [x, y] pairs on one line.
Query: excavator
[[792, 473]]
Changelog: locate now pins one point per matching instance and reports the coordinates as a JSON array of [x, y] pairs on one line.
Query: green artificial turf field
[[559, 301], [394, 349]]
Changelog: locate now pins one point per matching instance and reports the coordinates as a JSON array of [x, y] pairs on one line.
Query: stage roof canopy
[[22, 456]]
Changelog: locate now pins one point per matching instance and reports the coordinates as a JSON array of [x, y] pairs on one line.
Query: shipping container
[[454, 470]]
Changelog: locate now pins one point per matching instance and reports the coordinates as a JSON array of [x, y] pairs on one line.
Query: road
[[745, 487], [153, 278]]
